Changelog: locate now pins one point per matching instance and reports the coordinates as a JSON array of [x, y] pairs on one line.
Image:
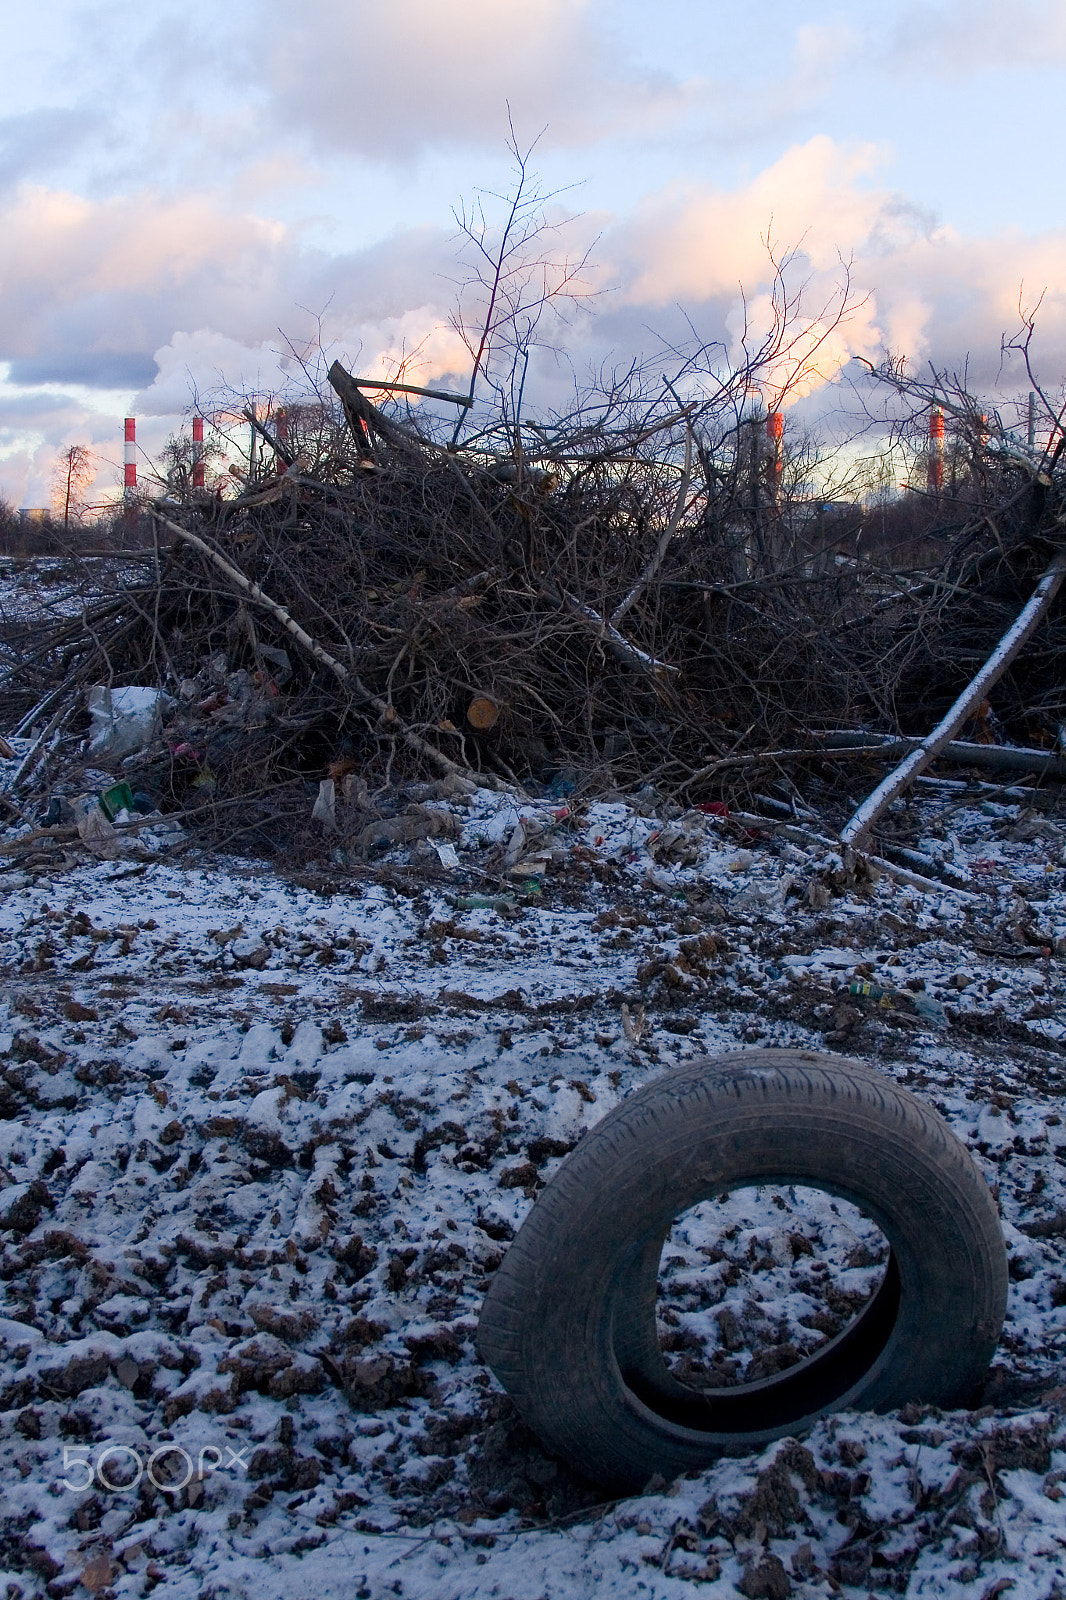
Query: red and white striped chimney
[[775, 432], [130, 454], [934, 472], [198, 452]]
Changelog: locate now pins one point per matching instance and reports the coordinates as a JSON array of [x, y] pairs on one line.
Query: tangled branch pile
[[642, 594]]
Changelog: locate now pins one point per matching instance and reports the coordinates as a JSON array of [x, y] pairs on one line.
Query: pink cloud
[[692, 242], [929, 291], [167, 296]]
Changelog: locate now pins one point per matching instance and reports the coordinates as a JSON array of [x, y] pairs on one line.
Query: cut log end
[[482, 713]]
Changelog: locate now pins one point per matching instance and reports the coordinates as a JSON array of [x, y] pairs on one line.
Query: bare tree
[[514, 269], [74, 471], [1042, 406], [180, 456]]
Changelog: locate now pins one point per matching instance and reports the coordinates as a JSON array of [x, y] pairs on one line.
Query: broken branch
[[875, 806]]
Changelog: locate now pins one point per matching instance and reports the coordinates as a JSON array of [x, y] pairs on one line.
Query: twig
[[960, 751], [810, 836], [616, 642], [39, 709], [64, 833], [361, 414], [755, 758]]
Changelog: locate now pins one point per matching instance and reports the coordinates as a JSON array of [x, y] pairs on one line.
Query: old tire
[[568, 1325]]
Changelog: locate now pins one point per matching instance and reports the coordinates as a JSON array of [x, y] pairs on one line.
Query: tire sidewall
[[585, 1266]]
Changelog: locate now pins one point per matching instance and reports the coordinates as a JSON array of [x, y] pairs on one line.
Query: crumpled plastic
[[325, 807], [95, 831], [124, 719]]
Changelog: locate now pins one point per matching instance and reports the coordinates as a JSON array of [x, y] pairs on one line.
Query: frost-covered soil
[[49, 587], [264, 1141]]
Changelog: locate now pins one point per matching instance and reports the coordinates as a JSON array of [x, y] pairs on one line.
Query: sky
[[199, 204]]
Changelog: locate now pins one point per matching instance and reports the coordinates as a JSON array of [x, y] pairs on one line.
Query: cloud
[[92, 289], [176, 296], [36, 427], [802, 358], [387, 81], [692, 242], [217, 369], [713, 252], [951, 298], [938, 38], [821, 48], [17, 409], [96, 369], [927, 291], [36, 142], [957, 37], [420, 341]]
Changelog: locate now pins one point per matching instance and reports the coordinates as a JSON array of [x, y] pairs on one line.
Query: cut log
[[1000, 757], [482, 713]]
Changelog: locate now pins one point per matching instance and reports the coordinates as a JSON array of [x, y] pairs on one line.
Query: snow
[[269, 1199]]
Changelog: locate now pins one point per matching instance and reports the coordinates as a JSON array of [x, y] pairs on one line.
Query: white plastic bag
[[123, 719], [325, 807]]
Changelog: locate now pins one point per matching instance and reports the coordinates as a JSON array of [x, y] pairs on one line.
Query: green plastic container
[[118, 798]]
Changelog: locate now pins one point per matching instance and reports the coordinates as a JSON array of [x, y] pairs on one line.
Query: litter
[[486, 902], [94, 828], [325, 806], [118, 798], [124, 720], [931, 1010]]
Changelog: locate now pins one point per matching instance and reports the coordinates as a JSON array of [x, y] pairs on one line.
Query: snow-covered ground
[[264, 1141], [50, 587]]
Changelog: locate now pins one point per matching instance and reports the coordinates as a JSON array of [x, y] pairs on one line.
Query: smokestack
[[198, 452], [775, 432], [130, 453], [934, 472]]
